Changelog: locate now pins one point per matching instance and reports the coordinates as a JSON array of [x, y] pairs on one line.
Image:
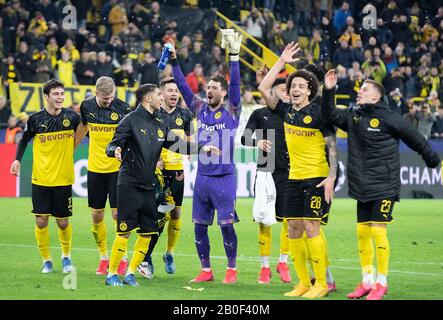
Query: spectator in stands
[[396, 101], [302, 15], [425, 120], [254, 24], [213, 60], [148, 70], [125, 76], [344, 84], [132, 39], [49, 10], [434, 101], [24, 63], [43, 65], [5, 112], [197, 56], [437, 127], [383, 33], [117, 18], [318, 47], [290, 33], [412, 83], [340, 16], [196, 79], [85, 70], [74, 54], [38, 24], [156, 23], [390, 11], [400, 30], [104, 67], [411, 115], [275, 39], [64, 70], [350, 36], [269, 19], [435, 79], [12, 135], [116, 49], [389, 59], [395, 80], [328, 33], [92, 44], [343, 55], [10, 73], [52, 50], [139, 15]]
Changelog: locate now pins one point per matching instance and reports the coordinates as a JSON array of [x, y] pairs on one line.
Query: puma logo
[[143, 130], [92, 114], [266, 118]]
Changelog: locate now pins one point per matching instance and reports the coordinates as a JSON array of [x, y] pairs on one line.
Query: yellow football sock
[[365, 248], [325, 243], [100, 235], [284, 239], [42, 237], [65, 237], [119, 248], [318, 258], [264, 240], [174, 227], [380, 236], [298, 254], [140, 249], [308, 251]]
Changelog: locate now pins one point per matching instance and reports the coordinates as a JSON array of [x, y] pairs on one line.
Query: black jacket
[[374, 132], [142, 135]]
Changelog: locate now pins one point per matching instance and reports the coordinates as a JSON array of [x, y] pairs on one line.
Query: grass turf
[[416, 268]]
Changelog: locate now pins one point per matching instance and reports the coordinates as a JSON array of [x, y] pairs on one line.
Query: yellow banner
[[29, 98]]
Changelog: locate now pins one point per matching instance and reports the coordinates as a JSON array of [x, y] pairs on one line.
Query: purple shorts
[[214, 193]]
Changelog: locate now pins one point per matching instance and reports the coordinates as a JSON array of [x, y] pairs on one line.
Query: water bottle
[[165, 56]]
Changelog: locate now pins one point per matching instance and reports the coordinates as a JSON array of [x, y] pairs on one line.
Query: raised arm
[[403, 130], [233, 43], [265, 86], [193, 102], [338, 117]]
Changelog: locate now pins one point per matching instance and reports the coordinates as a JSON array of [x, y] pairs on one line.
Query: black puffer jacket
[[374, 132]]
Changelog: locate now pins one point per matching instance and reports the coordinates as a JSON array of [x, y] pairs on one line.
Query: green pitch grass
[[416, 269]]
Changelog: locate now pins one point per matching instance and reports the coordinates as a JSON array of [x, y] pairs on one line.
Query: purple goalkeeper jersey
[[217, 128]]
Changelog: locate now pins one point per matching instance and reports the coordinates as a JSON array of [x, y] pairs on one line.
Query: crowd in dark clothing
[[400, 45]]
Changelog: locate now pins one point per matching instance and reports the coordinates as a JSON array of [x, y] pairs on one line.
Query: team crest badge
[[178, 121], [160, 133], [66, 123], [218, 115], [114, 116], [374, 123], [307, 119], [123, 226]]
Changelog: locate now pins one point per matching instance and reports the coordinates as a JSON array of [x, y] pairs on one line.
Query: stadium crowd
[[401, 46]]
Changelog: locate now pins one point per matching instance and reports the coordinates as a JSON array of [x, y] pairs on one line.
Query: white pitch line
[[243, 258]]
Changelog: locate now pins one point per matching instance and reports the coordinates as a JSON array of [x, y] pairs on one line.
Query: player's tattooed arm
[[331, 142]]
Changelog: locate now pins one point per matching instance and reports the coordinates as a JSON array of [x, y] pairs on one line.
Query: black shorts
[[377, 211], [177, 187], [280, 180], [304, 201], [100, 187], [137, 210], [54, 201]]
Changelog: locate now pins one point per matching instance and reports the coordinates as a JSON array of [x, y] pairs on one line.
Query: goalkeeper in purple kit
[[216, 183]]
